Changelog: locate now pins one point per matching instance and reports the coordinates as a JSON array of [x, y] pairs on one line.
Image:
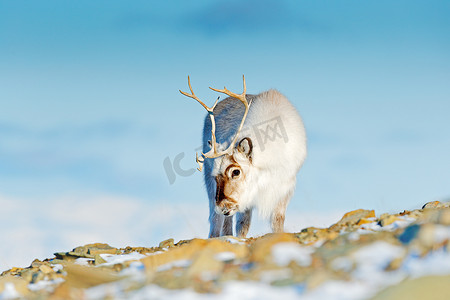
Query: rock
[[301, 261], [409, 234], [12, 282], [65, 291], [98, 260], [141, 250], [312, 235], [261, 249], [430, 287], [45, 269], [205, 266], [37, 276], [36, 263], [166, 244], [441, 216], [352, 218], [387, 219], [426, 235], [432, 204], [65, 256], [364, 221], [188, 251], [395, 264], [318, 278], [90, 250], [444, 217], [84, 277], [27, 274]]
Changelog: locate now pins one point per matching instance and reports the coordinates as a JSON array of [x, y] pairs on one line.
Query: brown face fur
[[227, 187], [231, 178]]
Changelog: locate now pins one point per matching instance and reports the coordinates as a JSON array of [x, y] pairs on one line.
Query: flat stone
[[45, 269], [90, 250]]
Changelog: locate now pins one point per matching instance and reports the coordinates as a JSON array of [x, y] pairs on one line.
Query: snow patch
[[284, 253]]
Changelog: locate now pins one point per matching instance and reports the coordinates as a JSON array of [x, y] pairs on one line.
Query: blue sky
[[89, 101]]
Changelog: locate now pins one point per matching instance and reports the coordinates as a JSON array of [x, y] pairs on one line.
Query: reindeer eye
[[236, 173]]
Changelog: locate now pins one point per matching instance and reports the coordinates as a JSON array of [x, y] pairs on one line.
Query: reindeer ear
[[245, 146]]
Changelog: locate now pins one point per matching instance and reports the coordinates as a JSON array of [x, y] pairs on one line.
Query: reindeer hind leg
[[278, 216]]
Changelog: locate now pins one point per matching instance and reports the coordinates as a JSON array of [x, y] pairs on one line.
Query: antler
[[213, 153], [244, 101]]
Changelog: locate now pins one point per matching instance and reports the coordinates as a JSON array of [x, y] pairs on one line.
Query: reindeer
[[243, 170]]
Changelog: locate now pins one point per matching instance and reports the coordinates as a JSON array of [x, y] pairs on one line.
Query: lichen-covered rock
[[352, 218], [346, 253]]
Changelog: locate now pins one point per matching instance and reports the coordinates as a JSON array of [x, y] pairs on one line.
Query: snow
[[436, 263], [48, 285], [118, 259], [232, 290], [338, 290], [284, 253], [376, 256], [82, 261], [273, 275], [441, 233], [182, 263], [9, 292], [225, 256]]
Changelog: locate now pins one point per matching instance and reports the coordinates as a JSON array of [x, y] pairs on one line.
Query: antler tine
[[200, 160], [234, 95], [193, 96], [243, 99], [213, 153]]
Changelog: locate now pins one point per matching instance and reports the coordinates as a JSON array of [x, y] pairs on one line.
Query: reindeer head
[[232, 165], [233, 174]]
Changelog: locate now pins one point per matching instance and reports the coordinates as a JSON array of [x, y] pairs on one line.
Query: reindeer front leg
[[215, 223], [227, 228], [215, 219], [243, 221]]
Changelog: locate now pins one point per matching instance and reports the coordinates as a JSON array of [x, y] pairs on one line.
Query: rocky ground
[[392, 256]]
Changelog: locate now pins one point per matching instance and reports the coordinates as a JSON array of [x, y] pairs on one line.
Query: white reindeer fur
[[270, 176]]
